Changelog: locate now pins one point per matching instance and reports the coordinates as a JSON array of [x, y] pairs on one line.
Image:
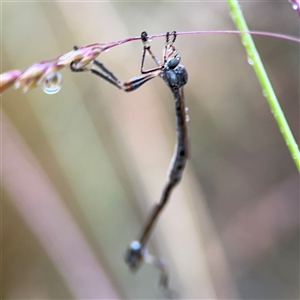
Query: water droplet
[[52, 83], [187, 117], [281, 129], [265, 93], [106, 50], [244, 41], [294, 156], [250, 61], [295, 6], [275, 114], [287, 142]]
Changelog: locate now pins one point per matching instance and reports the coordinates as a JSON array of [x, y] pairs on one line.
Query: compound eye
[[173, 62]]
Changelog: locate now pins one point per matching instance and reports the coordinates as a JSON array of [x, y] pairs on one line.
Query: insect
[[175, 76]]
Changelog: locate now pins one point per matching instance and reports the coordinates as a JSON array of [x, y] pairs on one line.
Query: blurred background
[[82, 168]]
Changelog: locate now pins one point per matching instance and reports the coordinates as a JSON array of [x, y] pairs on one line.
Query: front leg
[[102, 72]]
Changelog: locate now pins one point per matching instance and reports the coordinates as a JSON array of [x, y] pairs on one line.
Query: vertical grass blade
[[254, 59]]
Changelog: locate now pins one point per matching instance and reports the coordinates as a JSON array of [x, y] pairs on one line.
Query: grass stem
[[268, 92]]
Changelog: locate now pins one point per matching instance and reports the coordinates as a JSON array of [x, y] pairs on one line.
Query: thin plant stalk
[[47, 72], [268, 92]]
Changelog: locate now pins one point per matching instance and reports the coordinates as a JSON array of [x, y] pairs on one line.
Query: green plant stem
[[268, 92]]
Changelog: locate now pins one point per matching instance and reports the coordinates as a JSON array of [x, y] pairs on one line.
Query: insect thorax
[[176, 77]]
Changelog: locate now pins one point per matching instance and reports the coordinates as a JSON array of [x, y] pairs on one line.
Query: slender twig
[[41, 72]]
